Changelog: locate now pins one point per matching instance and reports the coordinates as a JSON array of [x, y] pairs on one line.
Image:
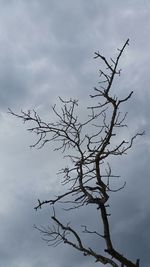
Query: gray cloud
[[46, 50]]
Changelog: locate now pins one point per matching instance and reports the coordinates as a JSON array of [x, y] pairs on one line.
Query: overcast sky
[[46, 51]]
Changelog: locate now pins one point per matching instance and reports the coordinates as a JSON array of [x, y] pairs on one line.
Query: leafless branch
[[88, 152]]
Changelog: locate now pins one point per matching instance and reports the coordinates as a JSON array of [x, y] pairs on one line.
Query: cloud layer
[[47, 51]]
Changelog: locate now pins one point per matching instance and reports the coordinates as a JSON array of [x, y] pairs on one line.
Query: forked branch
[[89, 175]]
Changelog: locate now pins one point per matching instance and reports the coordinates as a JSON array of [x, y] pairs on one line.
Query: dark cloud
[[47, 50]]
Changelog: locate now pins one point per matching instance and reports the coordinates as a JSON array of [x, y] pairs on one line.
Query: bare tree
[[89, 145]]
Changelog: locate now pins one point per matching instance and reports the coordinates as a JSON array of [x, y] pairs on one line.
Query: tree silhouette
[[89, 145]]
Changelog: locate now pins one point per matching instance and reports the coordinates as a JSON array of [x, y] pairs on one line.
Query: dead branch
[[88, 153]]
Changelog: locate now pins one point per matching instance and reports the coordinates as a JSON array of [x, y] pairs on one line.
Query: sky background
[[46, 51]]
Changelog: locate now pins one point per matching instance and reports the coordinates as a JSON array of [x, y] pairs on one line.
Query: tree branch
[[88, 144]]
